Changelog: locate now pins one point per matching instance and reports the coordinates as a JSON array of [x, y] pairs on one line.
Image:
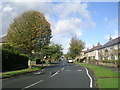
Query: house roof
[[94, 48], [112, 42], [98, 47], [3, 39]]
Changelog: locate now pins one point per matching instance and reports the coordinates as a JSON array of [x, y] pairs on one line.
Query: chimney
[[99, 44], [110, 38]]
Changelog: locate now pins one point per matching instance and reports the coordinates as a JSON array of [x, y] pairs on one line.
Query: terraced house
[[93, 52], [108, 51]]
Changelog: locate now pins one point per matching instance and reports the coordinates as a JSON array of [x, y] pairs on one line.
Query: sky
[[91, 22]]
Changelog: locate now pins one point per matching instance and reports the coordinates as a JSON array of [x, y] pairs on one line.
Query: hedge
[[13, 61], [110, 61]]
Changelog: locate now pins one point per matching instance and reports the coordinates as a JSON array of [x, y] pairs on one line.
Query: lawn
[[107, 82], [103, 72], [18, 72]]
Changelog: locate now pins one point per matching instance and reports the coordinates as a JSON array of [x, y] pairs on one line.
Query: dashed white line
[[43, 69], [77, 65], [68, 70], [89, 77], [79, 70], [37, 73], [62, 69], [55, 74], [32, 84]]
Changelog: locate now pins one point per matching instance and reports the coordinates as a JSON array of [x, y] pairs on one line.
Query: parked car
[[70, 61]]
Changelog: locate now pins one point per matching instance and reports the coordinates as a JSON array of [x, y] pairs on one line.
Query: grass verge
[[18, 72], [109, 81]]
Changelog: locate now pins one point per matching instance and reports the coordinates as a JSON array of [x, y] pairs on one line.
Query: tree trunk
[[42, 62], [29, 64]]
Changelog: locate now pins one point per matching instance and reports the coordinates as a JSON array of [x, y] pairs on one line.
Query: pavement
[[61, 75]]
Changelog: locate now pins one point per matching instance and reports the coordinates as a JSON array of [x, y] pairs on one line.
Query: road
[[61, 75]]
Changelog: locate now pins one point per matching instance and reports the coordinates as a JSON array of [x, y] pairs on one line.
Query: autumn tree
[[76, 46], [29, 32]]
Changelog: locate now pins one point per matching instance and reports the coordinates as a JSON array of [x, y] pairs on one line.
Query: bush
[[6, 46], [118, 63], [81, 60], [39, 61], [13, 61]]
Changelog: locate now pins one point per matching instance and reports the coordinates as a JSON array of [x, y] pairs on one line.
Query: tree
[[68, 55], [76, 46], [53, 51], [29, 32]]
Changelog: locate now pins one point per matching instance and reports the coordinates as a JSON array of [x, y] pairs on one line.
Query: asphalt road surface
[[61, 75]]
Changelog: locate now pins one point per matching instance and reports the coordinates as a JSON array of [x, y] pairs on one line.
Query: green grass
[[108, 82], [18, 72], [103, 72]]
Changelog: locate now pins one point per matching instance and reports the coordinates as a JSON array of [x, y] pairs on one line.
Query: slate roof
[[98, 47], [112, 42], [94, 48], [109, 43], [3, 39]]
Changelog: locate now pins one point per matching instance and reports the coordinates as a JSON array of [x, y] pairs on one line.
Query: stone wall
[[99, 62]]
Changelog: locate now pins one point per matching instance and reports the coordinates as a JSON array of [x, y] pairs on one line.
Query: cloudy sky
[[91, 22]]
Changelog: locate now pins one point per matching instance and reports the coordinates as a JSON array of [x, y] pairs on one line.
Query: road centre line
[[37, 73], [62, 69], [67, 70], [79, 70], [32, 84], [55, 74], [43, 69], [89, 77], [76, 65]]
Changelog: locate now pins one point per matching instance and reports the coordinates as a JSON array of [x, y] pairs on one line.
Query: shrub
[[39, 61], [118, 63]]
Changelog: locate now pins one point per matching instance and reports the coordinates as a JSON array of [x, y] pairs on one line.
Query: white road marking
[[55, 74], [62, 69], [77, 65], [32, 84], [37, 73], [63, 64], [43, 69], [79, 70], [68, 70], [89, 77], [50, 72]]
